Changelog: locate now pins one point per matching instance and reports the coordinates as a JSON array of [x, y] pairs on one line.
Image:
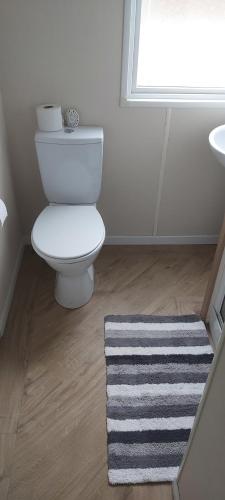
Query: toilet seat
[[68, 232]]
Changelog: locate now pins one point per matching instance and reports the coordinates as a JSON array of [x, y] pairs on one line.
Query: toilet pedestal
[[74, 291]]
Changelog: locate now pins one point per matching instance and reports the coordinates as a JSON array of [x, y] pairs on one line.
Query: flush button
[[69, 130]]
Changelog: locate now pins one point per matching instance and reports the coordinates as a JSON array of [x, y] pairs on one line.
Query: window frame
[[131, 95]]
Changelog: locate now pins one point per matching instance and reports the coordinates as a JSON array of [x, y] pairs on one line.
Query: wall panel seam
[[162, 169]]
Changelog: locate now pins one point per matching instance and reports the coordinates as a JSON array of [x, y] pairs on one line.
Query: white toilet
[[69, 233]]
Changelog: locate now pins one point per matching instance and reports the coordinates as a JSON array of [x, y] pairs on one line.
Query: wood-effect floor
[[52, 370]]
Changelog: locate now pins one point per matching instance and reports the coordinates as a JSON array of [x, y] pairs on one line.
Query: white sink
[[217, 143]]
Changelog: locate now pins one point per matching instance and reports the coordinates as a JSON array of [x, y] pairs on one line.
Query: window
[[174, 52]]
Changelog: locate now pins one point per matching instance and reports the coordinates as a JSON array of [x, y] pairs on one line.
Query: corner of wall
[[9, 296]]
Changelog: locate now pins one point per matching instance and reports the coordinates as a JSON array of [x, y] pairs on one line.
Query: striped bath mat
[[157, 367]]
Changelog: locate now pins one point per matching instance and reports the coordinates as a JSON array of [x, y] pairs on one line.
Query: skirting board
[[9, 296], [154, 240], [162, 240]]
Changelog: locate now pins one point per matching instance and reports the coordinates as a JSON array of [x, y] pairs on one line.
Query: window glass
[[182, 44]]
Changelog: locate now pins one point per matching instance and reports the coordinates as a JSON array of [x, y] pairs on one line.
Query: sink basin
[[217, 143]]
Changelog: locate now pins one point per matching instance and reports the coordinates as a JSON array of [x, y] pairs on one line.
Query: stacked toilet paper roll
[[49, 117]]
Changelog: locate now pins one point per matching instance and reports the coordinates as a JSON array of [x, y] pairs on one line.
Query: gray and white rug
[[157, 367]]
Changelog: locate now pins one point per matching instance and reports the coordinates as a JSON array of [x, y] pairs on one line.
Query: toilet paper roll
[[49, 117], [3, 212]]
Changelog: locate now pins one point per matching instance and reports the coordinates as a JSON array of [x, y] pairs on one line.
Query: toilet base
[[74, 291]]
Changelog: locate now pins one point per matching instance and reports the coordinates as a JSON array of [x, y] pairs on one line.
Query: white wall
[[70, 52], [10, 235]]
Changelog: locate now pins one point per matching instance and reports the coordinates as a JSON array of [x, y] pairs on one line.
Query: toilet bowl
[[69, 238]]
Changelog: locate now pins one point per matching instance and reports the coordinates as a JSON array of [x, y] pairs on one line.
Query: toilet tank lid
[[77, 135]]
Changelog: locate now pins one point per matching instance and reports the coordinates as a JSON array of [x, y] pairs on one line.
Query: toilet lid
[[68, 231]]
